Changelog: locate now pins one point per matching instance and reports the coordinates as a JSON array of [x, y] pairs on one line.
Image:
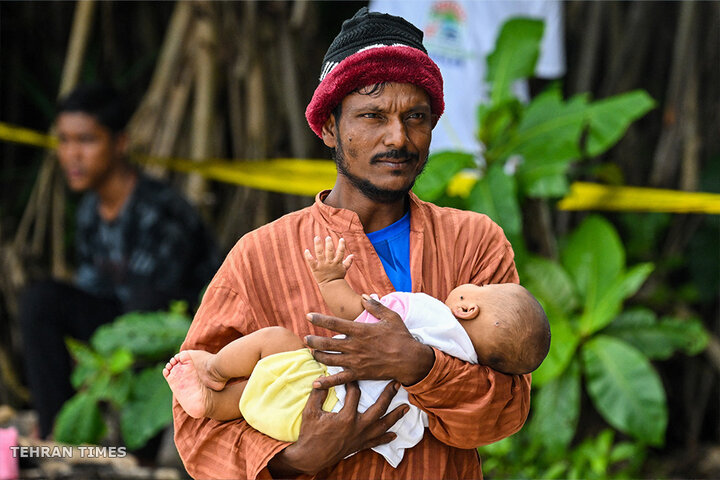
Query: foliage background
[[669, 49]]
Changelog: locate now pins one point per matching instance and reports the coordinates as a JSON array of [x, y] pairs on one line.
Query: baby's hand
[[328, 264]]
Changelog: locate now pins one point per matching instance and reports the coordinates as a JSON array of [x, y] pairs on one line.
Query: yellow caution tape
[[307, 177], [26, 136], [283, 175], [592, 196]]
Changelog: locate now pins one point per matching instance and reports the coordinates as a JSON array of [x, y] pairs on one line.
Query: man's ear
[[329, 132], [120, 144]]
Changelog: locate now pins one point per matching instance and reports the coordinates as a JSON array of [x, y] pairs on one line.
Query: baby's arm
[[328, 268]]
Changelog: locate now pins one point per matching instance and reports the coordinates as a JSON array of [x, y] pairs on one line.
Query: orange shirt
[[264, 281]]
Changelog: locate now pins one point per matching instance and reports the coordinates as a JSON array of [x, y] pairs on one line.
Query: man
[[379, 98], [139, 246]]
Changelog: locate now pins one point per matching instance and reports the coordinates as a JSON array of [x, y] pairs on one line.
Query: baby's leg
[[198, 400], [197, 378], [238, 358], [191, 392]]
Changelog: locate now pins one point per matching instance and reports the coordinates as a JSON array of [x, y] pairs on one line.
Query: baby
[[500, 325]]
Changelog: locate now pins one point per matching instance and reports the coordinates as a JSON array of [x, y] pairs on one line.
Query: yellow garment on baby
[[277, 391]]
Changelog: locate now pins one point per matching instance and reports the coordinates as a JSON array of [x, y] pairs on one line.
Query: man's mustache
[[402, 154]]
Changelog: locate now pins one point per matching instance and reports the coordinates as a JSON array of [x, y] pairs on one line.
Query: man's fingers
[[341, 378], [332, 359], [315, 400], [379, 408], [348, 327], [378, 310], [348, 261], [386, 437], [325, 344], [352, 398]]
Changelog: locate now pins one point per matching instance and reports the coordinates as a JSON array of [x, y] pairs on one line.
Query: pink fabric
[[378, 64], [9, 467], [398, 302]]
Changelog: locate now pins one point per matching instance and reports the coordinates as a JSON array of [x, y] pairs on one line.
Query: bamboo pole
[[291, 93], [79, 36], [665, 161], [205, 42], [144, 123]]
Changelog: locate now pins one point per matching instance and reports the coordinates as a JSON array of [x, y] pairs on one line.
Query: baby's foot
[[190, 391], [208, 375]]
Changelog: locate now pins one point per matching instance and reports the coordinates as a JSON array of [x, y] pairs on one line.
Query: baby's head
[[506, 324]]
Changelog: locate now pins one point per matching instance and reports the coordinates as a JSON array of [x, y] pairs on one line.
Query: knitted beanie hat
[[373, 48]]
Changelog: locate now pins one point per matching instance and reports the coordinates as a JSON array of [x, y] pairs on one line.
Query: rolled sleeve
[[471, 405]]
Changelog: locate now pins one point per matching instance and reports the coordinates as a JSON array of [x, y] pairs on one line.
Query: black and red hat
[[373, 48]]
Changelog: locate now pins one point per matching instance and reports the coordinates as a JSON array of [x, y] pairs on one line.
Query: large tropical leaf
[[609, 118], [149, 409], [658, 340], [551, 285], [563, 344], [151, 335], [516, 52], [88, 364], [625, 388], [608, 305], [495, 195], [594, 257], [556, 409], [549, 129], [440, 169], [79, 421]]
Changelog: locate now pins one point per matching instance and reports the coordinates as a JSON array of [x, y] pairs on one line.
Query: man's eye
[[417, 116], [370, 115]]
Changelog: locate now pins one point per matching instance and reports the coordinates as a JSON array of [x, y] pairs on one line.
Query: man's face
[[87, 150], [382, 140]]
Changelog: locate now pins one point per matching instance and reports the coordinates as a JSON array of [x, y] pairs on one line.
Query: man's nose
[[69, 150], [396, 133]]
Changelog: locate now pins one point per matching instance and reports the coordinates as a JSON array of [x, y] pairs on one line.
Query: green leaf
[[625, 388], [497, 122], [495, 196], [149, 409], [564, 343], [120, 360], [150, 336], [594, 257], [658, 340], [599, 314], [440, 169], [555, 411], [118, 390], [79, 421], [515, 55], [551, 285], [88, 364], [609, 118]]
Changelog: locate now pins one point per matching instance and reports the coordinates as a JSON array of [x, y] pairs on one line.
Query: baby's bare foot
[[208, 375], [185, 382]]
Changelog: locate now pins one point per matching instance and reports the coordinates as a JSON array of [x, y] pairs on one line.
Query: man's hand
[[370, 351], [326, 438]]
